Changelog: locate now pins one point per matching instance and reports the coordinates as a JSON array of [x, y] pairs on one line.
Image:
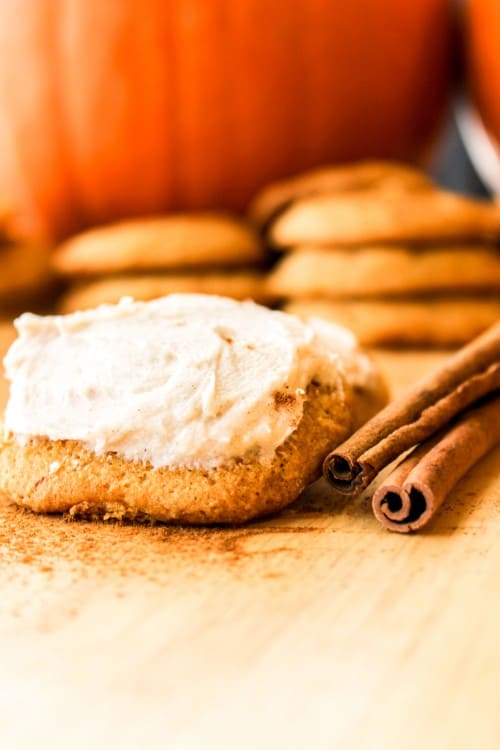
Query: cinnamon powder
[[45, 543], [283, 399]]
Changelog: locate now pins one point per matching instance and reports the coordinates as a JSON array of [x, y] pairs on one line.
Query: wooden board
[[313, 629]]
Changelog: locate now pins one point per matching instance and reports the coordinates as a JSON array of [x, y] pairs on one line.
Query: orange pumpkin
[[120, 107], [483, 53]]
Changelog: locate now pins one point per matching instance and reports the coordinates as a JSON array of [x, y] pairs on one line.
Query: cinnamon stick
[[473, 372], [408, 499]]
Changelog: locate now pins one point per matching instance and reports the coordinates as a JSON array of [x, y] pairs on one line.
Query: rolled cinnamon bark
[[411, 495], [470, 374]]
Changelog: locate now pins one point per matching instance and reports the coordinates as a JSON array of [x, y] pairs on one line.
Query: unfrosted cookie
[[363, 175], [238, 285], [376, 216], [189, 408], [425, 322], [163, 242], [329, 272]]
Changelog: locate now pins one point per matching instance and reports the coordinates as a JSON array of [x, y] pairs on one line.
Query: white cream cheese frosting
[[183, 381]]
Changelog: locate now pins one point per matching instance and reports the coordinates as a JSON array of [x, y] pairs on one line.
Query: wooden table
[[314, 629]]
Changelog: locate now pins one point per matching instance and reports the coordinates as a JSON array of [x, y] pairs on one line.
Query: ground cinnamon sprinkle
[[282, 399], [46, 543]]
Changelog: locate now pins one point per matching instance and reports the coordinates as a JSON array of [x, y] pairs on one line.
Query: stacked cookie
[[379, 248], [208, 253]]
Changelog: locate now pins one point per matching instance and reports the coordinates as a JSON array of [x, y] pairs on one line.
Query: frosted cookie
[[432, 322], [328, 272], [238, 285], [335, 179], [170, 241], [188, 408], [377, 216], [24, 271]]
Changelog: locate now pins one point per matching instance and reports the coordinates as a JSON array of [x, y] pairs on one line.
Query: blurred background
[[125, 109], [453, 166]]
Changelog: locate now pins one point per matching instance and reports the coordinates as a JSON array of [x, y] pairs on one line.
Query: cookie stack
[[379, 248], [208, 253]]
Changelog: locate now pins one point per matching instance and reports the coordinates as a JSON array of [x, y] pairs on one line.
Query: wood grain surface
[[312, 629]]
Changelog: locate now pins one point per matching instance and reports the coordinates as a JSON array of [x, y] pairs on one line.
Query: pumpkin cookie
[[429, 322], [335, 179], [171, 241], [327, 272], [377, 216], [238, 285], [189, 408]]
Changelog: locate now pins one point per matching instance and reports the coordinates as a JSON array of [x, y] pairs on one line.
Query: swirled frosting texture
[[182, 381]]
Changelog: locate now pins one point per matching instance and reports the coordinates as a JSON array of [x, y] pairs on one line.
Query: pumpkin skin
[[126, 107], [483, 57]]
